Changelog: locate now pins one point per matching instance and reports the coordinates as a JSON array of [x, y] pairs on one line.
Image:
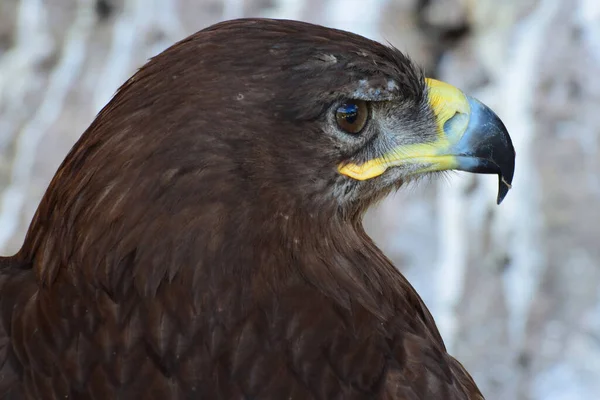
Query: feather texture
[[194, 244]]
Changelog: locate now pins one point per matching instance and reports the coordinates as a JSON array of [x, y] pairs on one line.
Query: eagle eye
[[352, 115]]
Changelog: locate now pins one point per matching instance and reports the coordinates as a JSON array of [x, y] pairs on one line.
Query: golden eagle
[[203, 238]]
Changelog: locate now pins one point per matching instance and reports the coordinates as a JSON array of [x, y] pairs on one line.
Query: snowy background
[[515, 289]]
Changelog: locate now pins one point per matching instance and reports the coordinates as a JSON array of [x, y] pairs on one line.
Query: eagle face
[[367, 121], [337, 121]]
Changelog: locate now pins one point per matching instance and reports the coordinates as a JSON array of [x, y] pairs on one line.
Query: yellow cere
[[446, 101]]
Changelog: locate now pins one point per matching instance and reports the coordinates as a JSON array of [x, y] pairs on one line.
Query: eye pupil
[[352, 116], [349, 112]]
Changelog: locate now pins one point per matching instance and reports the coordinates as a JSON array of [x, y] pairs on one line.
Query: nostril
[[456, 125]]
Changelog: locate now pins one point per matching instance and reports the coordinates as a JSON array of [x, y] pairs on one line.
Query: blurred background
[[515, 289]]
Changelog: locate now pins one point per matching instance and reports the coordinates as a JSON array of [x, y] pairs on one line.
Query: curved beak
[[470, 138], [486, 148]]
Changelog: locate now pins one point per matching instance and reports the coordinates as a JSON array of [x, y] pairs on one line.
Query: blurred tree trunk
[[515, 288]]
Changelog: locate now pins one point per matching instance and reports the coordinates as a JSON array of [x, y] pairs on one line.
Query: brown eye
[[352, 115]]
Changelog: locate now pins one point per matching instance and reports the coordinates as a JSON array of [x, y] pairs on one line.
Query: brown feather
[[190, 245]]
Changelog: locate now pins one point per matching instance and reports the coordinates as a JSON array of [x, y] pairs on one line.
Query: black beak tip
[[503, 188], [506, 173]]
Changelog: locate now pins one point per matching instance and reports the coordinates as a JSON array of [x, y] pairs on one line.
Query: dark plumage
[[200, 241]]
